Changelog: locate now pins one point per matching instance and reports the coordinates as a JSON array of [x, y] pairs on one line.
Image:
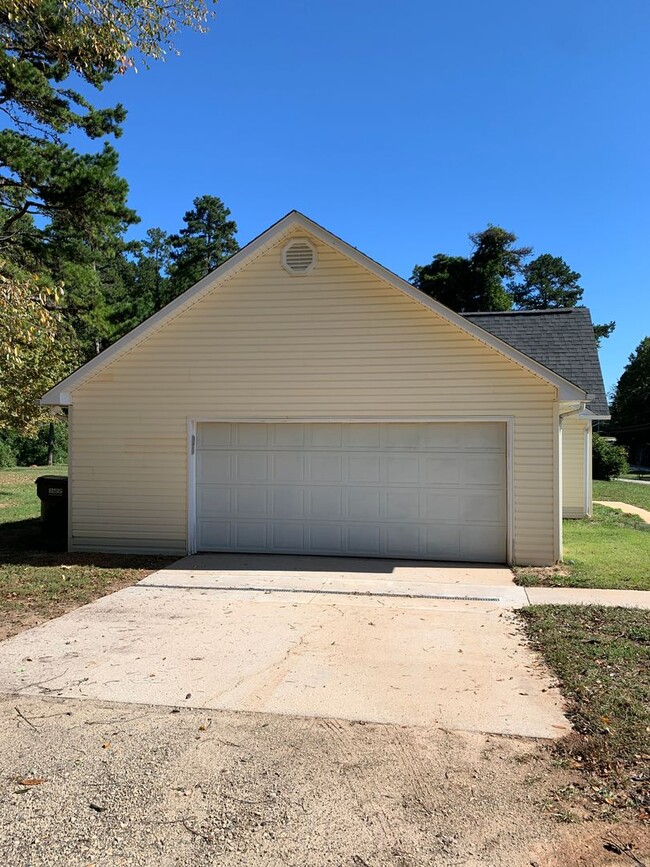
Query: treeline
[[498, 275], [137, 278]]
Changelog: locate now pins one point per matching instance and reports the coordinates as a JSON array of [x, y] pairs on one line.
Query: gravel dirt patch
[[88, 783]]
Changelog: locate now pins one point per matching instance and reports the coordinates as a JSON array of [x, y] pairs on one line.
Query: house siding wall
[[573, 468], [335, 344]]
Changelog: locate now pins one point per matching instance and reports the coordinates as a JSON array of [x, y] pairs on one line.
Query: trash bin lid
[[51, 486]]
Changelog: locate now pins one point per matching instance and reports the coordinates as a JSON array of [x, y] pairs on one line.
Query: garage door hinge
[[193, 443]]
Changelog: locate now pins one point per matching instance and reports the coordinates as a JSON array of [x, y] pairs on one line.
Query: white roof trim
[[61, 394]]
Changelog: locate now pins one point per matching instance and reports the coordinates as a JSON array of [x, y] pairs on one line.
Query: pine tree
[[477, 282], [204, 243], [547, 282]]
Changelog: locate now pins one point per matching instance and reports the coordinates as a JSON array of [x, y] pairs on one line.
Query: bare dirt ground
[[89, 783]]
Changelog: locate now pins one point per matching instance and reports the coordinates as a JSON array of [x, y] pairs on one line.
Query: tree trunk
[[50, 445]]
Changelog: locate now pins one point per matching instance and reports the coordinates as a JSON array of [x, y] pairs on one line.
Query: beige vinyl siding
[[336, 344], [573, 468]]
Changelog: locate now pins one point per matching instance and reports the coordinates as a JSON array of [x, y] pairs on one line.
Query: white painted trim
[[70, 476], [61, 394], [191, 486], [557, 484], [504, 419], [361, 419], [510, 490], [588, 472]]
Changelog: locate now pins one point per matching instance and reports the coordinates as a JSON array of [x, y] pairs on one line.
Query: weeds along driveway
[[377, 641]]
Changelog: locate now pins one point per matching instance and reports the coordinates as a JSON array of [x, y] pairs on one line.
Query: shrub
[[7, 455], [32, 450], [609, 460]]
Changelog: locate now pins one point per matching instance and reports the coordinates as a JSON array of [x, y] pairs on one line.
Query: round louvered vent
[[299, 257]]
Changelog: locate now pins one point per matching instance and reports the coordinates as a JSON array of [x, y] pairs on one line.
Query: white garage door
[[425, 490]]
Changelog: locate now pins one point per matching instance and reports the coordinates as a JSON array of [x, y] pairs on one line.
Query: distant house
[[303, 399]]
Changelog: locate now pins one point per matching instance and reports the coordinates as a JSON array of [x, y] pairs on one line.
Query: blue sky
[[404, 126]]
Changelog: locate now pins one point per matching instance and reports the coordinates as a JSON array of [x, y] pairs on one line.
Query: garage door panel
[[441, 504], [442, 542], [288, 537], [251, 436], [288, 467], [364, 468], [213, 535], [402, 436], [403, 539], [364, 504], [251, 467], [482, 506], [479, 543], [402, 504], [214, 466], [217, 434], [442, 437], [287, 501], [364, 540], [325, 538], [250, 536], [214, 500], [251, 501], [405, 490], [363, 436], [444, 470], [403, 469], [325, 502], [483, 435], [483, 470], [326, 436], [325, 468], [288, 435]]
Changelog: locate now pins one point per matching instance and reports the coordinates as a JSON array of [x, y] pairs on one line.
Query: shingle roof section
[[561, 339]]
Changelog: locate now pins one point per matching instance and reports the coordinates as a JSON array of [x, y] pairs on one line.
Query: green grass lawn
[[37, 584], [18, 500], [610, 551], [623, 492], [601, 657]]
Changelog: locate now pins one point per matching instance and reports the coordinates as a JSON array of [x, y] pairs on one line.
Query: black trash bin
[[53, 493]]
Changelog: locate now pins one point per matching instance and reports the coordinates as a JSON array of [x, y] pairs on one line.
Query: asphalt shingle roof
[[561, 339]]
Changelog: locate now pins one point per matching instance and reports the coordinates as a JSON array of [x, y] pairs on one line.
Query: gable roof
[[60, 395], [561, 339]]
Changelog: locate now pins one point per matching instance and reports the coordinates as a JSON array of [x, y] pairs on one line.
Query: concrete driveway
[[420, 644]]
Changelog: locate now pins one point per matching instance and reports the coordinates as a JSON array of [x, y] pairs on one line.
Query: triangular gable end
[[60, 395]]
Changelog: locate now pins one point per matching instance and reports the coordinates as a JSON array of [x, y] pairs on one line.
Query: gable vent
[[299, 257]]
